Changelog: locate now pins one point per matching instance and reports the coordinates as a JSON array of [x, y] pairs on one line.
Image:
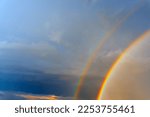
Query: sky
[[58, 36]]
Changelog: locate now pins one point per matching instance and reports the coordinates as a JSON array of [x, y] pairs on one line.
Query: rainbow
[[115, 64], [100, 45]]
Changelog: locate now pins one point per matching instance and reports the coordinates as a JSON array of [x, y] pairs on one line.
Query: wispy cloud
[[22, 96], [40, 97], [33, 97]]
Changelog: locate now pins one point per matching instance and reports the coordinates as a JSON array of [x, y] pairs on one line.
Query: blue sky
[[58, 36]]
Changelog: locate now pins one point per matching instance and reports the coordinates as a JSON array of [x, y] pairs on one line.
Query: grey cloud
[[9, 96]]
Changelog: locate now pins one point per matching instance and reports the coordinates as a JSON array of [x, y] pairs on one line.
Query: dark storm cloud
[[38, 83]]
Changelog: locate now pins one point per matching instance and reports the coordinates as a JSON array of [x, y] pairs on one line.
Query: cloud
[[62, 39], [40, 97], [33, 97], [55, 36], [92, 1], [4, 95], [9, 96]]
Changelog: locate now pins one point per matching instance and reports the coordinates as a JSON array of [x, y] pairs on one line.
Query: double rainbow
[[100, 45]]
